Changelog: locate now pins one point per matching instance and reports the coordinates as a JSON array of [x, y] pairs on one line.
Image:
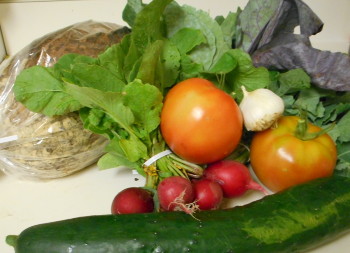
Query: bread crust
[[50, 147]]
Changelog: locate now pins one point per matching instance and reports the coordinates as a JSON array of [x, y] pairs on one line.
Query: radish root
[[189, 208]]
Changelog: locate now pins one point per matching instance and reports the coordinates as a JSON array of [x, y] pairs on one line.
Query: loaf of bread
[[34, 146]]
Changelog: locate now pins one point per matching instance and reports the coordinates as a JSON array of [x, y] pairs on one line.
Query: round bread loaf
[[34, 146]]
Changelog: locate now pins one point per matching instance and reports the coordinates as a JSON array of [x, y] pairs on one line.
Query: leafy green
[[132, 8], [151, 14], [160, 64], [194, 37], [228, 26], [178, 17], [343, 126], [40, 91], [293, 81], [237, 69], [343, 164]]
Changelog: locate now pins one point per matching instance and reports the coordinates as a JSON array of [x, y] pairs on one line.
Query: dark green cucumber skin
[[294, 220]]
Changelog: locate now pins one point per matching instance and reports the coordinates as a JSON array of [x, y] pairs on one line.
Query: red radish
[[175, 193], [208, 194], [133, 200], [234, 178]]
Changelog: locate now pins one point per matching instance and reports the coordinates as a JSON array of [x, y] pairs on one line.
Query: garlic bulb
[[260, 108]]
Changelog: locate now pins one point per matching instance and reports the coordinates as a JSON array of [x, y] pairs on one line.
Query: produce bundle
[[190, 102], [119, 93]]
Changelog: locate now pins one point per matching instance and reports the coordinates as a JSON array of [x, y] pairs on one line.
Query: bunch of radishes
[[223, 179]]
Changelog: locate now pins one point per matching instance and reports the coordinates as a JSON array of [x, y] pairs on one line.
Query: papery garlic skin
[[260, 109]]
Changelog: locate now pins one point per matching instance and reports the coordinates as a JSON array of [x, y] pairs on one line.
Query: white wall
[[23, 21]]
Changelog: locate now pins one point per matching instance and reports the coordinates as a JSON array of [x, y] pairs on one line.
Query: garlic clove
[[260, 108]]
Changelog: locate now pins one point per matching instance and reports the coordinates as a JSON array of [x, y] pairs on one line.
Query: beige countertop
[[26, 203]]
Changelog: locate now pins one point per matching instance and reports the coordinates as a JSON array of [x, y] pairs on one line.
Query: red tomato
[[280, 159], [199, 122]]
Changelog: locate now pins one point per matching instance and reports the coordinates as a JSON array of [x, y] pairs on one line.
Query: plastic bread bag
[[34, 146]]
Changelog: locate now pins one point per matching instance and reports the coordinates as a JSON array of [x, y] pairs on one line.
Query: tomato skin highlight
[[199, 122], [281, 160]]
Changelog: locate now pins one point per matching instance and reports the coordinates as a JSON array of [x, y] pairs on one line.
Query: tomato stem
[[301, 131]]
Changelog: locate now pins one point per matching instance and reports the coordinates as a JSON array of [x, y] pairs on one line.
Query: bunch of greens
[[119, 94]]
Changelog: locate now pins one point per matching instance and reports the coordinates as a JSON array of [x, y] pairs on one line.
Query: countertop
[[90, 192]]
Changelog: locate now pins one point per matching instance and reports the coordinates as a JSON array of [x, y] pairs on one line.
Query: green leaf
[[309, 100], [293, 81], [245, 74], [63, 67], [224, 65], [124, 153], [179, 17], [330, 115], [98, 122], [109, 161], [148, 26], [113, 58], [41, 91], [160, 64], [133, 148], [91, 72], [131, 62], [186, 39], [343, 150], [342, 107], [109, 102], [112, 103], [131, 9], [228, 27], [189, 68], [96, 76], [145, 102], [168, 67], [343, 125], [220, 19], [150, 59]]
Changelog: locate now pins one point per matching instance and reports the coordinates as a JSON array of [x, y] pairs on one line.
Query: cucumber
[[294, 220]]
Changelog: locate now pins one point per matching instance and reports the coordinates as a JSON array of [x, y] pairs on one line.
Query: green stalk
[[151, 177], [301, 131], [189, 167]]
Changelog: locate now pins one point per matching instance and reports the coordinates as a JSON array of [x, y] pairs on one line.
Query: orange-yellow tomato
[[199, 122], [281, 160]]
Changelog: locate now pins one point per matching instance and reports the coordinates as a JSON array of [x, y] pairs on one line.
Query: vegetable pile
[[167, 95], [189, 101]]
